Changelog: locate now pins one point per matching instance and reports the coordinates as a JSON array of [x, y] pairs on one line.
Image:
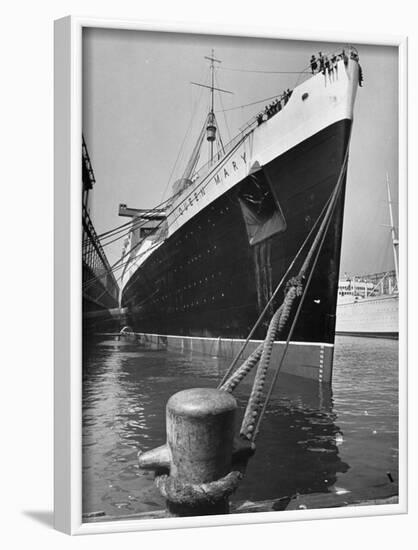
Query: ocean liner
[[199, 270]]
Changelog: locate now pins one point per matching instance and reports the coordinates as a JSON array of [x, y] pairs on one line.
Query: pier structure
[[100, 288]]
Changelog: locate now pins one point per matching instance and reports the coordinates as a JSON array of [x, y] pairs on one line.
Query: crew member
[[314, 64]]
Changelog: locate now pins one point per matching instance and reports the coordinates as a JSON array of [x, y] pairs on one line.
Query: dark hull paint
[[206, 279]]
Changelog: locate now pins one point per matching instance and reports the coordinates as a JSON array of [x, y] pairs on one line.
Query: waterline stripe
[[323, 344]]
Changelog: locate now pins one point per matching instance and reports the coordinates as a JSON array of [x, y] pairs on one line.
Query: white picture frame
[[67, 227]]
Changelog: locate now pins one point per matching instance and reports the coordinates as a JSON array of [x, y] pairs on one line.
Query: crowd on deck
[[274, 107], [327, 65]]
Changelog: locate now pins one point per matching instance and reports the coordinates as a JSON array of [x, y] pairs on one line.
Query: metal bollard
[[199, 449]]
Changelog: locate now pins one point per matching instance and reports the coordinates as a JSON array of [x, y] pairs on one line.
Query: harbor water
[[313, 440]]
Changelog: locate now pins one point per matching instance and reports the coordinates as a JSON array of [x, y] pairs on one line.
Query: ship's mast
[[212, 69], [211, 119], [212, 98], [395, 241]]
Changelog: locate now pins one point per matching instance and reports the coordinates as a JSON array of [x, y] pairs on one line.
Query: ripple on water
[[310, 441]]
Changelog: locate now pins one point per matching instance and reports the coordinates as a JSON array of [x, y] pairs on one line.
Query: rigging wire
[[223, 110], [194, 109], [119, 228], [114, 232], [273, 296], [133, 224], [205, 181], [114, 229], [260, 71], [249, 104], [304, 71], [299, 308]]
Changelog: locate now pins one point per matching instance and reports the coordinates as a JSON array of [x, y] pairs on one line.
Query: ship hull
[[212, 277], [370, 317]]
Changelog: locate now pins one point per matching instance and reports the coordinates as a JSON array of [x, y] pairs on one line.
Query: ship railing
[[380, 283]]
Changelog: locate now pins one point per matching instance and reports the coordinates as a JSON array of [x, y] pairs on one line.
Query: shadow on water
[[297, 447], [125, 390]]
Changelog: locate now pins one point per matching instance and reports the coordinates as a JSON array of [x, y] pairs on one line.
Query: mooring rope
[[196, 494], [295, 288], [254, 404], [277, 372], [272, 298], [182, 493]]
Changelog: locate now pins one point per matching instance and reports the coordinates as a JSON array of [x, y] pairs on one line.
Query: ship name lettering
[[226, 173], [217, 179], [234, 165], [244, 157]]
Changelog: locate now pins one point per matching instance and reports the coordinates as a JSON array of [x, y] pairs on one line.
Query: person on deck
[[314, 64], [321, 62], [334, 64]]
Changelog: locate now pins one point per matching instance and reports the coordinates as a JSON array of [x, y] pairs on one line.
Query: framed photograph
[[230, 276]]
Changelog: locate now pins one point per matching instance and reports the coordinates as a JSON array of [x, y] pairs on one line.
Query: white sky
[[137, 106]]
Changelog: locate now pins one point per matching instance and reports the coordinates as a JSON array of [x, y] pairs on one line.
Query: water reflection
[[297, 448], [305, 429]]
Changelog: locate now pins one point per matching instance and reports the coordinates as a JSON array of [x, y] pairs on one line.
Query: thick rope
[[289, 336], [277, 324], [243, 370], [197, 494], [294, 289], [272, 298], [316, 248]]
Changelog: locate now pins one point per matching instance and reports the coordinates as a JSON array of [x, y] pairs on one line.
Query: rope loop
[[197, 494]]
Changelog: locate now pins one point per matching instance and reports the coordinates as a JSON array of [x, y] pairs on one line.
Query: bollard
[[199, 449]]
